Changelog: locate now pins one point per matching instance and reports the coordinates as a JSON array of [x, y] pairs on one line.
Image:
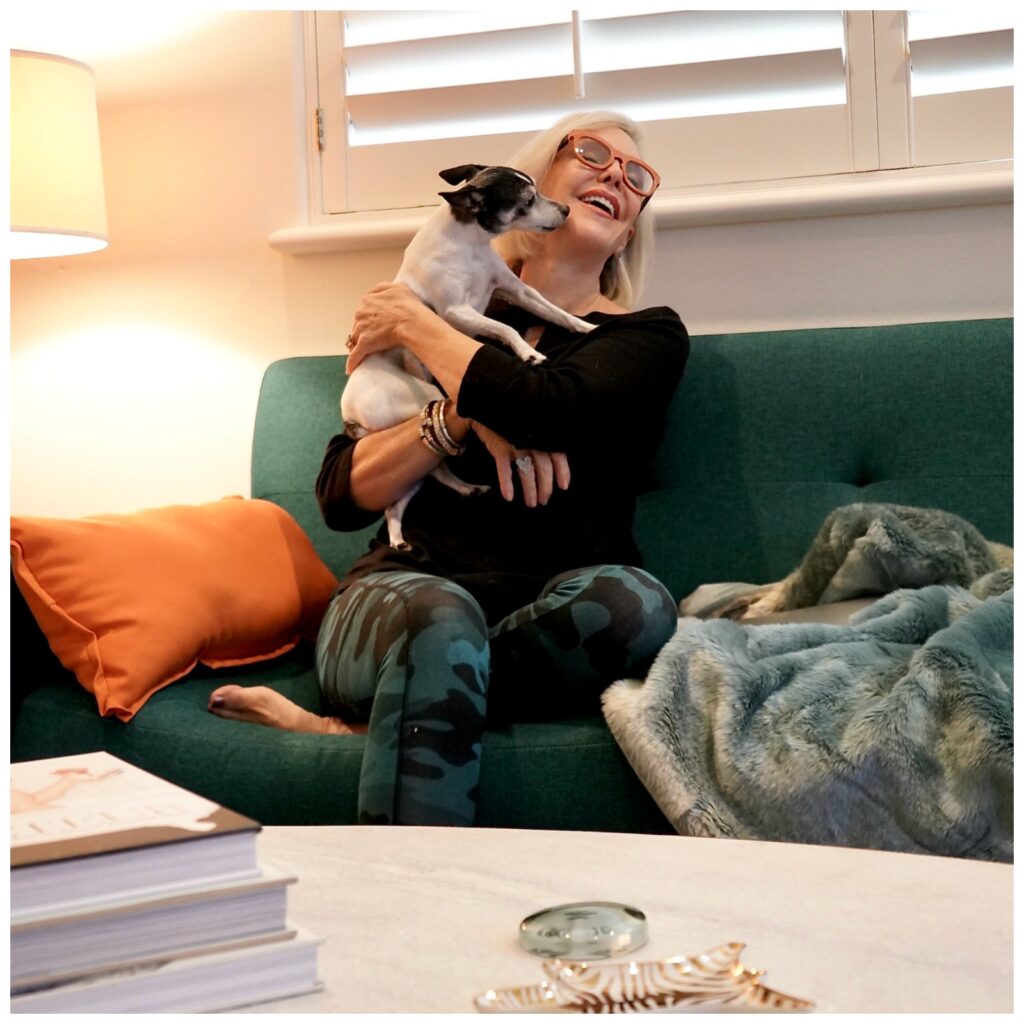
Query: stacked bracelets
[[434, 431]]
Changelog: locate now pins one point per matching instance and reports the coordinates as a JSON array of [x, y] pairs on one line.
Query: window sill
[[792, 199]]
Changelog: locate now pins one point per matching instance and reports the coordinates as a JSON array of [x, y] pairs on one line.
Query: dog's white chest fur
[[449, 264]]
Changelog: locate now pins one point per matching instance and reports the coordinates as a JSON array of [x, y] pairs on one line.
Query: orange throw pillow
[[130, 603]]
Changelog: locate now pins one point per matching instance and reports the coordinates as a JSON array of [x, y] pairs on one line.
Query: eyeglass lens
[[597, 154]]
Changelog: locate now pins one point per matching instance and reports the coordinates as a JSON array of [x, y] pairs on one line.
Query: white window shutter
[[724, 96]]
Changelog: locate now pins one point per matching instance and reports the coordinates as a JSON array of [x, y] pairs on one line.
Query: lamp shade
[[57, 204]]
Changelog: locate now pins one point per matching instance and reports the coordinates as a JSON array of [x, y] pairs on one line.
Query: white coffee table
[[424, 919]]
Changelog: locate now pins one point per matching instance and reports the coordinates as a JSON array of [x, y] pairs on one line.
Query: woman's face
[[574, 183]]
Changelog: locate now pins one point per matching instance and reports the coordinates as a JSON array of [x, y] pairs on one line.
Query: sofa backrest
[[767, 434], [297, 414], [770, 432]]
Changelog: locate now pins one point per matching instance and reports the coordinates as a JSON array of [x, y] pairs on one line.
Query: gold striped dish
[[712, 980]]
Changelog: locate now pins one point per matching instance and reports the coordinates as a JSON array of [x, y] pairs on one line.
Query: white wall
[[134, 371], [907, 267]]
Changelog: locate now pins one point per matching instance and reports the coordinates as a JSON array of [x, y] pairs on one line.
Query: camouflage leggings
[[413, 654]]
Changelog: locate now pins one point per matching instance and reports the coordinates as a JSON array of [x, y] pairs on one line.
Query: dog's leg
[[394, 512], [513, 290], [443, 475], [393, 517], [469, 321]]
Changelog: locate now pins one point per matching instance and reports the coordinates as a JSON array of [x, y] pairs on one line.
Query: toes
[[223, 697]]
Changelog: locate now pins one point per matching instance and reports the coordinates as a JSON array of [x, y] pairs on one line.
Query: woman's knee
[[388, 618], [636, 611]]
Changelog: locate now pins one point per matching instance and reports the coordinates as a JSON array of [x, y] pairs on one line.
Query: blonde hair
[[623, 276]]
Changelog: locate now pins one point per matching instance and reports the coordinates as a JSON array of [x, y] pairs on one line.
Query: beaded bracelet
[[427, 437], [441, 430], [434, 430], [427, 431], [451, 446]]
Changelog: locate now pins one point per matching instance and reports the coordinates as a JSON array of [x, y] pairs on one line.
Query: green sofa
[[768, 433]]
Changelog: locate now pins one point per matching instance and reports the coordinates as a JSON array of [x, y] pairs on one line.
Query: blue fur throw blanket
[[893, 732]]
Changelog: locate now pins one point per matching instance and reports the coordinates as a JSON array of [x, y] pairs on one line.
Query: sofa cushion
[[553, 775], [130, 603]]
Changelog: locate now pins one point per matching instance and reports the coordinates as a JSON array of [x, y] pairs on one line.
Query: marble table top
[[425, 919]]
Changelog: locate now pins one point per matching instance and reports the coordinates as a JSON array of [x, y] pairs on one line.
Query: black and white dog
[[451, 266]]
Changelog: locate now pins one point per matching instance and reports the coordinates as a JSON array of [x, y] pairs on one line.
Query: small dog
[[451, 266]]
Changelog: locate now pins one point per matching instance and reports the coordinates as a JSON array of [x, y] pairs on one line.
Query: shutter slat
[[959, 63], [371, 28], [505, 56], [609, 44], [762, 83], [688, 37], [957, 21]]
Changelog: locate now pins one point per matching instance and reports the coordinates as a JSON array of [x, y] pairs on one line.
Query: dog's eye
[[529, 202]]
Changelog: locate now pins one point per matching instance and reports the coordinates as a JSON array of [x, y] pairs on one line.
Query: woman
[[526, 601]]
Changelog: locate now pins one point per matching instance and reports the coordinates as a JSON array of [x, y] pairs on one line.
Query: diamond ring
[[524, 463]]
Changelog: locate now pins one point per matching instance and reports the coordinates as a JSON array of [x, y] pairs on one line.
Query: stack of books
[[132, 895]]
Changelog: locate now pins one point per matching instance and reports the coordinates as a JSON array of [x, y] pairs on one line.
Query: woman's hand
[[539, 472], [385, 314], [391, 315]]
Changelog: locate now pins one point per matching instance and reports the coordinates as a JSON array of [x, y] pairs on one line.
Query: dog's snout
[[559, 215]]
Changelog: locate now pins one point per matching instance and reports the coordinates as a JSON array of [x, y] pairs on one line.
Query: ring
[[524, 462]]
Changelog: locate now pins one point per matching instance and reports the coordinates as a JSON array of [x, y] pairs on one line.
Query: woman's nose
[[613, 172]]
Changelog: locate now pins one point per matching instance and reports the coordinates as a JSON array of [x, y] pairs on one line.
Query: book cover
[[86, 804]]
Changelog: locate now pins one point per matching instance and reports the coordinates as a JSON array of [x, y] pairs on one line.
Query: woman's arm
[[391, 315], [609, 389], [387, 463], [359, 479]]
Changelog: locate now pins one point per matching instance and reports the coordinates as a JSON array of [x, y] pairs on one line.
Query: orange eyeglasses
[[639, 177]]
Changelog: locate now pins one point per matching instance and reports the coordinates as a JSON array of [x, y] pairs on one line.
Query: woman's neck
[[564, 285]]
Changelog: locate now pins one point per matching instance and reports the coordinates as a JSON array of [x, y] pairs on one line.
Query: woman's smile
[[604, 202]]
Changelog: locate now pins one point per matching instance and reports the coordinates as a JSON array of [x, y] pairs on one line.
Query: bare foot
[[264, 706]]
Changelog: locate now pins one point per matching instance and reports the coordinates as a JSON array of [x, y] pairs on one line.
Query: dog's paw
[[355, 430], [534, 358], [467, 490], [581, 326]]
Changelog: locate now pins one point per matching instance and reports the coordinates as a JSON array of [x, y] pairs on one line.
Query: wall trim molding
[[854, 194]]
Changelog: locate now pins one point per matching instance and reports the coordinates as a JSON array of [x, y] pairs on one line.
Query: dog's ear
[[461, 173], [466, 199]]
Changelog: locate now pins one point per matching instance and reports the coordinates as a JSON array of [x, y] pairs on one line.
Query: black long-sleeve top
[[600, 397]]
